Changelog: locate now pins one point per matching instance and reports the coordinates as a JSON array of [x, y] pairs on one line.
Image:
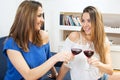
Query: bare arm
[[31, 74], [62, 72], [107, 67]]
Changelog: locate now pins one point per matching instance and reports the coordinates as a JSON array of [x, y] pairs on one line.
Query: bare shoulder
[[74, 36], [44, 36]]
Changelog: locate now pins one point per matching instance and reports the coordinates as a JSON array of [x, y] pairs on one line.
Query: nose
[[85, 24], [42, 19]]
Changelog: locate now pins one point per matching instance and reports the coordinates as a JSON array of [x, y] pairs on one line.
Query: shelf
[[70, 28], [78, 28], [70, 19], [112, 30], [114, 47]]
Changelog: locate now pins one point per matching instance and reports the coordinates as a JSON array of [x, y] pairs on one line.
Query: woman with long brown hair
[[27, 48], [91, 34]]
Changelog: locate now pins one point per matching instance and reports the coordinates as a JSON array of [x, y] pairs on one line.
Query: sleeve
[[47, 50], [10, 44]]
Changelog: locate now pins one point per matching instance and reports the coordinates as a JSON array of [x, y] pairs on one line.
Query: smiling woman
[[39, 19], [27, 47], [92, 32]]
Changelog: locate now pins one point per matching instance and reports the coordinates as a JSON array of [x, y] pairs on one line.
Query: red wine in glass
[[76, 51], [88, 53]]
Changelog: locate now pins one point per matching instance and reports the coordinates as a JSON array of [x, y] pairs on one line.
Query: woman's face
[[86, 23], [40, 19]]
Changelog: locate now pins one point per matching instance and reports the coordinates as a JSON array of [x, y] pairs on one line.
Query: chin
[[87, 33]]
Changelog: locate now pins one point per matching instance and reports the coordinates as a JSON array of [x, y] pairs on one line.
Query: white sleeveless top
[[79, 66]]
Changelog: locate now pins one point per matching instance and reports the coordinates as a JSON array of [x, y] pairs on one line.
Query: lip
[[87, 30]]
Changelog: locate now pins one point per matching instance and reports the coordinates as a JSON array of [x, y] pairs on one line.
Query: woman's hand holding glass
[[76, 50], [95, 62], [64, 56]]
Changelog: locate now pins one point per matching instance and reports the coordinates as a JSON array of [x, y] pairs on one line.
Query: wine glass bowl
[[89, 50], [76, 51], [88, 53]]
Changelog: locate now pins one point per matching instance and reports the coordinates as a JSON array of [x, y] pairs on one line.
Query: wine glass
[[76, 49], [89, 51]]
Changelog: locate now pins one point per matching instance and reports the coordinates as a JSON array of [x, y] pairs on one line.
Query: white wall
[[8, 10]]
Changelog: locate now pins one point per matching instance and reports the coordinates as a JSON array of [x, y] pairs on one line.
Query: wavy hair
[[24, 24], [97, 32]]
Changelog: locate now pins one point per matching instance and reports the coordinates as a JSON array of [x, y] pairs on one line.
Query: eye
[[82, 20], [40, 15], [89, 20]]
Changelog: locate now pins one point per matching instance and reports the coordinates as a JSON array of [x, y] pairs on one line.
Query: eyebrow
[[40, 13]]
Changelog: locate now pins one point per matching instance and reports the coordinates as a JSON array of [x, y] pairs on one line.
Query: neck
[[88, 37]]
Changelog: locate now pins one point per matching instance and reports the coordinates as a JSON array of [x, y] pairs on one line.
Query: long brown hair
[[24, 24], [97, 32]]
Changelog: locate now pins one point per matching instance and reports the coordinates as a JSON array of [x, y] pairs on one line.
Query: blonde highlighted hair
[[97, 33]]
